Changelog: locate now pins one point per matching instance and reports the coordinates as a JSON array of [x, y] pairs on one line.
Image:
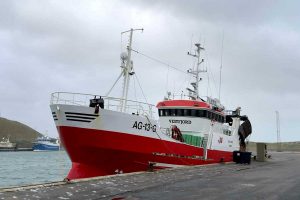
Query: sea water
[[29, 167]]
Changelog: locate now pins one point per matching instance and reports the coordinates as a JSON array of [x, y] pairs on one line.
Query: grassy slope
[[19, 133], [285, 146]]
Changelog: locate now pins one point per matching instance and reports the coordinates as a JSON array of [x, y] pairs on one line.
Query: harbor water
[[28, 167]]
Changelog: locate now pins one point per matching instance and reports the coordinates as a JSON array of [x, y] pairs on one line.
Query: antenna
[[220, 81], [278, 131], [191, 42], [194, 94]]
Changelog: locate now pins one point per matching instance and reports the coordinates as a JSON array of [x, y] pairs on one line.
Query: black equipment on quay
[[245, 129], [241, 157]]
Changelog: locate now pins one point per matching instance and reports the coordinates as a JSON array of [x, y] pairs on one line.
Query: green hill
[[18, 133]]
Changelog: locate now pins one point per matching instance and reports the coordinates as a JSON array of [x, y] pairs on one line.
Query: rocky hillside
[[19, 133]]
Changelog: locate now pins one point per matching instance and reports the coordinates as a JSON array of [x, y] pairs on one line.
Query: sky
[[75, 46]]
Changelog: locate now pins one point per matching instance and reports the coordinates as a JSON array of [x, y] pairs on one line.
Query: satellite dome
[[124, 56]]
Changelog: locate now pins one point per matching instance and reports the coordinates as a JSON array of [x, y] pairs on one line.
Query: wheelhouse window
[[186, 112], [179, 112], [205, 113], [192, 113], [167, 112], [161, 112], [173, 112], [200, 113], [209, 115]]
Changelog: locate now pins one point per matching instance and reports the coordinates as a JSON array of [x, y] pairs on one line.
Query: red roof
[[183, 103]]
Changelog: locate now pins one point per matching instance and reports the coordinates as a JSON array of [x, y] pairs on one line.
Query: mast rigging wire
[[134, 89], [167, 83], [220, 81], [159, 61], [141, 88], [210, 73]]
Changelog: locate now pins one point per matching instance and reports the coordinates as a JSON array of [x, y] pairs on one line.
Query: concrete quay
[[278, 178]]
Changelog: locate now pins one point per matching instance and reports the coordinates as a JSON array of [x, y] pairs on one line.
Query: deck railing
[[110, 103]]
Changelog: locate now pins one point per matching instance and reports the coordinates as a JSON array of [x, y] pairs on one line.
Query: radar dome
[[124, 56]]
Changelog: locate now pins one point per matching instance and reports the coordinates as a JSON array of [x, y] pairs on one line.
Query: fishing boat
[[6, 145], [106, 135], [45, 143]]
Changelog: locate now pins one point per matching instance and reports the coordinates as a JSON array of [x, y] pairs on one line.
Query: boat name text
[[180, 121]]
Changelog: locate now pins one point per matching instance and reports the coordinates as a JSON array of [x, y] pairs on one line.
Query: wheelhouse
[[188, 108]]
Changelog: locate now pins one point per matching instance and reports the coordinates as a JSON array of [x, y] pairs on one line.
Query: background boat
[[46, 144], [6, 145]]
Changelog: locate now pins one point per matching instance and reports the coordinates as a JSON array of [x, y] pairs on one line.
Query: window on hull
[[192, 113]]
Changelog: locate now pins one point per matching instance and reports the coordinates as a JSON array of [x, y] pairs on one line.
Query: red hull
[[98, 153]]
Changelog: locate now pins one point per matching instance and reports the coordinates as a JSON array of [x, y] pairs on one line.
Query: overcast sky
[[49, 46]]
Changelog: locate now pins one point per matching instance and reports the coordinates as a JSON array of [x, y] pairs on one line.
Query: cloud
[[48, 46]]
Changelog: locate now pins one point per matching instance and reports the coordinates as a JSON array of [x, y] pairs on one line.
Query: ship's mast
[[127, 66], [194, 94]]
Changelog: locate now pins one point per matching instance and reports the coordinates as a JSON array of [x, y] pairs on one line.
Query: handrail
[[111, 103]]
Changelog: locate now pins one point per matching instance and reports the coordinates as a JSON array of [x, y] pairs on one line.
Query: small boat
[[106, 135], [6, 145], [46, 144]]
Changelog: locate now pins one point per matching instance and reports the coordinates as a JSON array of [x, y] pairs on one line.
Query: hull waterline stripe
[[79, 120], [84, 114], [73, 116]]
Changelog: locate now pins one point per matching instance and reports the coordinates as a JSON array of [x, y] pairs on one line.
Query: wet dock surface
[[278, 178]]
